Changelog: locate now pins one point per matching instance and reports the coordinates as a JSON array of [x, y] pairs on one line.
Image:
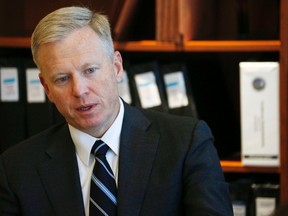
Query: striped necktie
[[103, 187]]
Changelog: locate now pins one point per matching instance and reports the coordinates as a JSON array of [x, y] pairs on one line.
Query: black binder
[[125, 86], [12, 116], [154, 97], [38, 113], [178, 88], [241, 196], [265, 198]]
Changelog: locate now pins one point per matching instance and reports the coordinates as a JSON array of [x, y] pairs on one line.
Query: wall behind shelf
[[24, 17], [218, 19], [20, 18]]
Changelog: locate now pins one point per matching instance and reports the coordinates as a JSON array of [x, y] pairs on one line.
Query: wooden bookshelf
[[278, 46]]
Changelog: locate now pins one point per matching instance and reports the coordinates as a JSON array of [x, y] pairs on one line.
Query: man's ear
[[45, 86], [118, 66]]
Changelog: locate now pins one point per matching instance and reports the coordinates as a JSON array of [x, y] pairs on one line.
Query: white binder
[[259, 99]]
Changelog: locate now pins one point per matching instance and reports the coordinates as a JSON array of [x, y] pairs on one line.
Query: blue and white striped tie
[[103, 187]]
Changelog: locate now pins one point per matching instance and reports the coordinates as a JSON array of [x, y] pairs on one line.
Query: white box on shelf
[[259, 103]]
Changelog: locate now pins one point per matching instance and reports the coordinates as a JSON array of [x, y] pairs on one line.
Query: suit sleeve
[[8, 202], [205, 189]]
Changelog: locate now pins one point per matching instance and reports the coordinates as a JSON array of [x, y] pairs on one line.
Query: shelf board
[[156, 46], [147, 45], [232, 46], [238, 167], [15, 42], [202, 46]]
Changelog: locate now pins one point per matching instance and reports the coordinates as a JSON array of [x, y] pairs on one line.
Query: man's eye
[[62, 79], [91, 70]]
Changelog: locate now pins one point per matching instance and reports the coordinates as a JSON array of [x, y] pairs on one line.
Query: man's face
[[80, 78]]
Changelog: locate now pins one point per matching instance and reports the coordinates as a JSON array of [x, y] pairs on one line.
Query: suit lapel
[[60, 175], [138, 146]]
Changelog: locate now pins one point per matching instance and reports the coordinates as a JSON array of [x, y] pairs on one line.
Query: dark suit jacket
[[167, 166]]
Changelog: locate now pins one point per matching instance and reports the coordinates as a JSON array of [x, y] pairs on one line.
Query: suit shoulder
[[34, 142], [170, 119]]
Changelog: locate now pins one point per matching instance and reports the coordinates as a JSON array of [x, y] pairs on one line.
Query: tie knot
[[99, 148]]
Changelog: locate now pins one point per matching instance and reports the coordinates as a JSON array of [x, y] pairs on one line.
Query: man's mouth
[[85, 108]]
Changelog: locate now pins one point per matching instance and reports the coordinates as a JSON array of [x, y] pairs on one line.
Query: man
[[162, 164]]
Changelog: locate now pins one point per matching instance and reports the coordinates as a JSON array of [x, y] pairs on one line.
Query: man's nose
[[79, 86]]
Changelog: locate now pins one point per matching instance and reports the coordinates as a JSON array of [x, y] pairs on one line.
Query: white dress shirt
[[84, 143]]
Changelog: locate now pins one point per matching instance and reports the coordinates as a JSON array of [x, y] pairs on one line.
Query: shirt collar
[[84, 142]]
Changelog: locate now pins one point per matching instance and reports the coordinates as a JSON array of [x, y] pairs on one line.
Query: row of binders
[[162, 87], [165, 87], [254, 199], [25, 109]]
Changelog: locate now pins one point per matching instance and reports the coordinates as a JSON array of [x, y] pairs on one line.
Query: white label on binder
[[265, 206], [239, 208], [124, 90], [35, 91], [259, 96], [9, 84], [147, 89], [176, 90]]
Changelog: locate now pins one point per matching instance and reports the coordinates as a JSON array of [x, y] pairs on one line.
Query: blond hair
[[60, 23]]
